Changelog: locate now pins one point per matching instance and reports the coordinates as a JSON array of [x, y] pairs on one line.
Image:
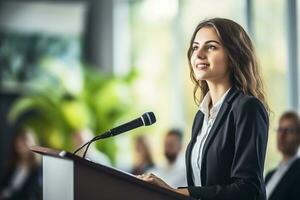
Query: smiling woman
[[209, 60], [226, 153]]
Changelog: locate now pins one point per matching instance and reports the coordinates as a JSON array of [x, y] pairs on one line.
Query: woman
[[225, 157], [22, 179]]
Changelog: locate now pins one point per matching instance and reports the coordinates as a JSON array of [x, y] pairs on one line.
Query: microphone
[[146, 119]]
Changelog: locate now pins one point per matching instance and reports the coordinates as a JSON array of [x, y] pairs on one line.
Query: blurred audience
[[143, 156], [22, 180], [283, 182], [173, 171], [93, 154]]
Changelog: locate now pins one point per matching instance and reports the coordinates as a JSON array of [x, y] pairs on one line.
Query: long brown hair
[[22, 135], [245, 73]]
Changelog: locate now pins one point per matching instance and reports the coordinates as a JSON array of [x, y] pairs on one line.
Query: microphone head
[[148, 118]]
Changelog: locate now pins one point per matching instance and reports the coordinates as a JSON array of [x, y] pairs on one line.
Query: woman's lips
[[202, 66]]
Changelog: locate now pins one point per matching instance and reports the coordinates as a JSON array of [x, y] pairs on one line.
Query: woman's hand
[[151, 178], [183, 191]]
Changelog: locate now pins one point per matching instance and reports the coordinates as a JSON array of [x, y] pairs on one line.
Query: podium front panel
[[58, 182], [94, 184]]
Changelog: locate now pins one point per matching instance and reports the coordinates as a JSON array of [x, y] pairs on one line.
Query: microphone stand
[[98, 137]]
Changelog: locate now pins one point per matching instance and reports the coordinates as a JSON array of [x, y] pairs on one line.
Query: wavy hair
[[243, 62]]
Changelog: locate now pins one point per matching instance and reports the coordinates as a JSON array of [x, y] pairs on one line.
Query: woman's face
[[22, 147], [209, 59], [23, 144]]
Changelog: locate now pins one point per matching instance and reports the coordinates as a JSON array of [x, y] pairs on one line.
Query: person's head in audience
[[21, 153], [82, 136], [143, 150], [173, 144], [288, 134]]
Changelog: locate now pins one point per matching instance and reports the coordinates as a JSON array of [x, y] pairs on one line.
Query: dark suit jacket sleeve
[[251, 133]]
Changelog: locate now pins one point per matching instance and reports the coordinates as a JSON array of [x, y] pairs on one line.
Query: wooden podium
[[69, 177]]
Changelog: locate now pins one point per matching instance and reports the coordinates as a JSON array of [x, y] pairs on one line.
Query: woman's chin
[[200, 78]]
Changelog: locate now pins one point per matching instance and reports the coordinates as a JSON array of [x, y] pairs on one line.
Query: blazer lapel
[[196, 128], [198, 124], [214, 130]]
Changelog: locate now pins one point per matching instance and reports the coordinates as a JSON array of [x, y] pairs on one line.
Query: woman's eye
[[194, 48], [211, 47]]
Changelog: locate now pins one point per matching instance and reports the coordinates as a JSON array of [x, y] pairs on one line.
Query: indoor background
[[72, 65]]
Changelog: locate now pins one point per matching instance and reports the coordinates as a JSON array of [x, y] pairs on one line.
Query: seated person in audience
[[173, 172], [283, 183], [143, 158], [23, 173]]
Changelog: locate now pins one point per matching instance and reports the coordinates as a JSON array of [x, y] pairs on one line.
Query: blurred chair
[[22, 180]]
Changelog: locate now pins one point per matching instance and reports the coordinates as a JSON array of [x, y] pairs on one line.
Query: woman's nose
[[201, 54]]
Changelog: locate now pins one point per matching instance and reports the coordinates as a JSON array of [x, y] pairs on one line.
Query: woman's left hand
[[151, 178]]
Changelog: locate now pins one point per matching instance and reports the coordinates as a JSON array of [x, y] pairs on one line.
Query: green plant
[[55, 112]]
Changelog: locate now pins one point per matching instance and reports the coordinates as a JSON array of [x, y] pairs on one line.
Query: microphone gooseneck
[[146, 119]]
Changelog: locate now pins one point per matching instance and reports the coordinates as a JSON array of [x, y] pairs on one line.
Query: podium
[[70, 177]]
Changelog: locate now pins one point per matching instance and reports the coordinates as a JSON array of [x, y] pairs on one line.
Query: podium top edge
[[48, 151]]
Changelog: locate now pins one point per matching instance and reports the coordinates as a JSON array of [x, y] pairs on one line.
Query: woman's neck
[[217, 90]]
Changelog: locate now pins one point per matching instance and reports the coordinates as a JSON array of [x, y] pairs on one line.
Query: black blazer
[[234, 152], [288, 187]]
